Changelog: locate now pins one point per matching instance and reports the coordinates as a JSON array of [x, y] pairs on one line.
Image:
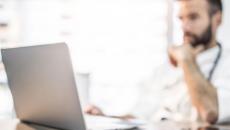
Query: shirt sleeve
[[222, 83], [146, 102], [149, 94], [224, 105], [223, 92]]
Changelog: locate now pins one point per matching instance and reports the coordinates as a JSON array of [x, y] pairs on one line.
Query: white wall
[[224, 31]]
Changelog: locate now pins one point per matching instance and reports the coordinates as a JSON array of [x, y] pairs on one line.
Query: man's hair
[[214, 6]]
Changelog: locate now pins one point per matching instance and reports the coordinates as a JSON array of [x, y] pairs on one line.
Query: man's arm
[[94, 110], [202, 93]]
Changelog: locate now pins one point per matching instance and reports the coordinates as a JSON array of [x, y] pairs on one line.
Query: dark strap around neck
[[216, 61]]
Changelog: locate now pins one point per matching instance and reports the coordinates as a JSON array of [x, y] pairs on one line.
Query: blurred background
[[115, 44]]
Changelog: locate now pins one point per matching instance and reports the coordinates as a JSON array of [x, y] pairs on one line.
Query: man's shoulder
[[225, 57], [225, 60]]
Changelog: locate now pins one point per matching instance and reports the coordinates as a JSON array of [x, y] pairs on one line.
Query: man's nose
[[186, 26]]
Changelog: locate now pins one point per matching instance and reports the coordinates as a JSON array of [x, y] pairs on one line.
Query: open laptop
[[42, 83]]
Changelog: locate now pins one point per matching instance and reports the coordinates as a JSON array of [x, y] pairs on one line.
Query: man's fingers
[[88, 109], [93, 110], [172, 54], [96, 112]]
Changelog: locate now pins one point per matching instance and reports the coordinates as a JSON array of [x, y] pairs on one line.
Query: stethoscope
[[216, 61]]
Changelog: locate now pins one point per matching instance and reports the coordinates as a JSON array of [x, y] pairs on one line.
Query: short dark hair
[[215, 6]]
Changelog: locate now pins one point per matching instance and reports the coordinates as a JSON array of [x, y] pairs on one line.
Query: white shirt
[[165, 95]]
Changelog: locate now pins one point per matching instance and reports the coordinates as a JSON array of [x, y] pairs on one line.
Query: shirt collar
[[207, 56]]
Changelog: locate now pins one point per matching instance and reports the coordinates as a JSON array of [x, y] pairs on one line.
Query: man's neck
[[212, 44]]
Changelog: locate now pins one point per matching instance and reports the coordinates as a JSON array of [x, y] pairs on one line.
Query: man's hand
[[185, 53], [93, 110]]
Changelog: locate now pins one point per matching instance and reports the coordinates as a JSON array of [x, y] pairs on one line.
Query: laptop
[[43, 87]]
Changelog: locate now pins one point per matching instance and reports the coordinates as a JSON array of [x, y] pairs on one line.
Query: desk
[[17, 125]]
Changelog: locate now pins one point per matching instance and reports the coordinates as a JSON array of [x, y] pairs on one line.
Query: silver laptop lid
[[42, 83]]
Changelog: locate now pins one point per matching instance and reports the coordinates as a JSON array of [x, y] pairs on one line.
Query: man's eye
[[193, 17]]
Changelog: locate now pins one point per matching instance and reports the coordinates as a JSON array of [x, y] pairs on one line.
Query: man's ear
[[217, 17]]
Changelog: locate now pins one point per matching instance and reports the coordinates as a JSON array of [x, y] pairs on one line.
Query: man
[[196, 87]]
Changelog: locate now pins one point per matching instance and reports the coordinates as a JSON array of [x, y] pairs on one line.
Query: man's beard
[[204, 39]]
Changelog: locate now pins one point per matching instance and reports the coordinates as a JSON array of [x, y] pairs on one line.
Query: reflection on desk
[[212, 128], [17, 125]]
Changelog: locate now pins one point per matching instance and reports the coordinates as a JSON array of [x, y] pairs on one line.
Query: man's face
[[196, 22]]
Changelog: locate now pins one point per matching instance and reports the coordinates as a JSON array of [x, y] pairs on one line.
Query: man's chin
[[192, 43], [188, 40]]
